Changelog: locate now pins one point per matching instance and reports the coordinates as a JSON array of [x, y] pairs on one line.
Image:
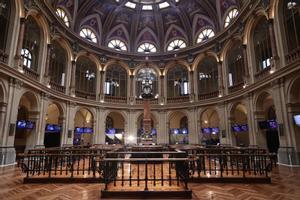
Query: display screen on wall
[[88, 130], [52, 128], [24, 124], [244, 127], [236, 128], [206, 130], [268, 125], [78, 130], [215, 130], [297, 120], [273, 124]]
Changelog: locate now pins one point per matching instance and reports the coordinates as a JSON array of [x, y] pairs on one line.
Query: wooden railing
[[85, 95], [236, 87], [114, 99], [180, 99], [32, 74], [262, 74], [208, 95], [3, 56], [57, 87], [293, 56], [114, 165], [141, 101]]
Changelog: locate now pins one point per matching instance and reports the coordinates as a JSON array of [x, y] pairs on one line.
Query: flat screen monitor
[[263, 125], [29, 125], [184, 131], [53, 128], [78, 130], [215, 130], [297, 120], [175, 131], [244, 127], [273, 124], [206, 130], [153, 131], [88, 130], [21, 124], [236, 128]]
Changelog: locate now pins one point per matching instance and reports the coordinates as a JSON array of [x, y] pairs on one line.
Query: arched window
[[207, 76], [205, 35], [147, 48], [117, 45], [262, 45], [177, 81], [230, 16], [146, 74], [235, 64], [88, 34], [292, 23], [176, 45], [32, 41], [4, 22], [27, 58], [86, 72], [63, 15], [116, 81], [58, 61]]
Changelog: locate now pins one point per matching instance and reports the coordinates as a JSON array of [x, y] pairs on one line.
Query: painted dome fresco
[[147, 26]]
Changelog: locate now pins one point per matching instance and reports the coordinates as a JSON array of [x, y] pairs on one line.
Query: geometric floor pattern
[[285, 186]]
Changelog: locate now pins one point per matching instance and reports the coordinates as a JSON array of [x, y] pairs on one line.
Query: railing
[[236, 87], [85, 95], [208, 95], [32, 74], [230, 167], [146, 171], [142, 170], [262, 74], [3, 56], [141, 101], [293, 56], [62, 167], [179, 99], [57, 87], [114, 99]]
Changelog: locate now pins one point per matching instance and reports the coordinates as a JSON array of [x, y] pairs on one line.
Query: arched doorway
[[83, 122], [53, 127], [267, 123], [210, 131], [114, 128], [178, 128], [239, 125], [140, 129], [26, 123]]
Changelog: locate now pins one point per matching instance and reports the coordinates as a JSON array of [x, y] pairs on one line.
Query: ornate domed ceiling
[[147, 26]]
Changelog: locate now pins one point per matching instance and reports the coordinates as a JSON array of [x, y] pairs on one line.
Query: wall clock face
[[147, 90]]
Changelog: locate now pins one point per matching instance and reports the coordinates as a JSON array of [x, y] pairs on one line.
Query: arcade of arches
[[69, 76]]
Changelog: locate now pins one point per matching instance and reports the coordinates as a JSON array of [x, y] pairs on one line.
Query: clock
[[147, 92]]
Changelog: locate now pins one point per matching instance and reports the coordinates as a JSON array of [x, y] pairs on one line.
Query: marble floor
[[285, 185]]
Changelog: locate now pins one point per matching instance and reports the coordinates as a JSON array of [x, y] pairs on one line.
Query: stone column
[[64, 131], [220, 79], [98, 84], [250, 119], [162, 90], [162, 130], [102, 84], [192, 92], [47, 67], [192, 123], [19, 63], [73, 78], [246, 69], [132, 92], [273, 45]]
